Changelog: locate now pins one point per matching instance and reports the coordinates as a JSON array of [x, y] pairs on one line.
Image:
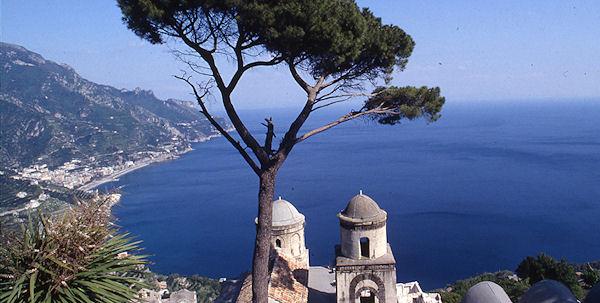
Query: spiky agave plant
[[77, 258]]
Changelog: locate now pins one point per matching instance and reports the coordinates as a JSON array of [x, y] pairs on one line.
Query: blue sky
[[473, 50]]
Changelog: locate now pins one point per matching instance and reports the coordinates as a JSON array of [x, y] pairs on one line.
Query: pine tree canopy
[[326, 38]]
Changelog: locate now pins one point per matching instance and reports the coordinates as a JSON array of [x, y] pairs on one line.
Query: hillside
[[50, 115], [60, 132]]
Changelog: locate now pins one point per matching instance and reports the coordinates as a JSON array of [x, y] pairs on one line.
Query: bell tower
[[365, 264], [288, 231]]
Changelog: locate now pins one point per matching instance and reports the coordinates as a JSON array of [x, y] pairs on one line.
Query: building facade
[[288, 231], [365, 265], [365, 268]]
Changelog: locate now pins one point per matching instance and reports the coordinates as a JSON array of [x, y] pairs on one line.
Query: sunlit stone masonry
[[288, 231], [365, 265], [365, 268]]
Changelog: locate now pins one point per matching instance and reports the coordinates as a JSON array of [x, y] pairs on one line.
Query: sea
[[477, 191]]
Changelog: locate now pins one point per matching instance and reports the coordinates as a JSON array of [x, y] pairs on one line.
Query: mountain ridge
[[50, 115]]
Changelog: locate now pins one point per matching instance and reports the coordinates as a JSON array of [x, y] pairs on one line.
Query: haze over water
[[477, 191]]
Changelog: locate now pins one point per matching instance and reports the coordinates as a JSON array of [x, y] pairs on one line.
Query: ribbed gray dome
[[284, 213], [486, 292], [548, 291], [362, 208], [594, 295]]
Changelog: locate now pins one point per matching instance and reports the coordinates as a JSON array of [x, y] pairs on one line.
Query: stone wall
[[350, 241], [352, 281], [289, 240]]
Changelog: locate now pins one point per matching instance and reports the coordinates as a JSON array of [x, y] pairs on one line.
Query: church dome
[[284, 213], [593, 295], [486, 291], [548, 291], [362, 208]]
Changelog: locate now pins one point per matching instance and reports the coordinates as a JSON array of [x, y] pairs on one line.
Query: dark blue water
[[477, 191]]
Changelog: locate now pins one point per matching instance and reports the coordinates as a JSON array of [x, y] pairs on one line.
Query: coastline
[[98, 180], [115, 176], [140, 164]]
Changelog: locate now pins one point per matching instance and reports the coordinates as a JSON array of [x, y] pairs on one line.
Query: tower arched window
[[278, 243], [364, 247]]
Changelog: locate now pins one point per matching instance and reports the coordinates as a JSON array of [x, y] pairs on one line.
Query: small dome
[[548, 291], [594, 295], [486, 291], [362, 208], [284, 213]]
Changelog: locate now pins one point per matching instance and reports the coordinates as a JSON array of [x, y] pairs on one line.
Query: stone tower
[[365, 265], [288, 231]]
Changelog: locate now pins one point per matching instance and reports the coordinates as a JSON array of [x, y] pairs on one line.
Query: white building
[[288, 231], [411, 292], [365, 265], [365, 268]]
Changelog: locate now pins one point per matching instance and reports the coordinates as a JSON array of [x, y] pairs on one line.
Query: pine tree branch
[[342, 119], [269, 136], [236, 144]]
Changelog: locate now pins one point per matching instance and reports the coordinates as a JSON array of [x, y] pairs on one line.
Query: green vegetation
[[50, 115], [591, 276], [9, 188], [52, 198], [535, 269], [207, 290], [411, 103], [76, 257], [530, 271], [332, 49], [514, 287]]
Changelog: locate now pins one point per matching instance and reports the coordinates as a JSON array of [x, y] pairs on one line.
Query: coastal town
[[88, 173], [370, 151], [49, 188]]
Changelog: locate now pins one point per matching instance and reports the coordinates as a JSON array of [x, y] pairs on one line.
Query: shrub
[[451, 297], [535, 269], [591, 276], [514, 289], [76, 257], [207, 289]]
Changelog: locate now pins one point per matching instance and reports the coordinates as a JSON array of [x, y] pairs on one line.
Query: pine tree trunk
[[262, 247]]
